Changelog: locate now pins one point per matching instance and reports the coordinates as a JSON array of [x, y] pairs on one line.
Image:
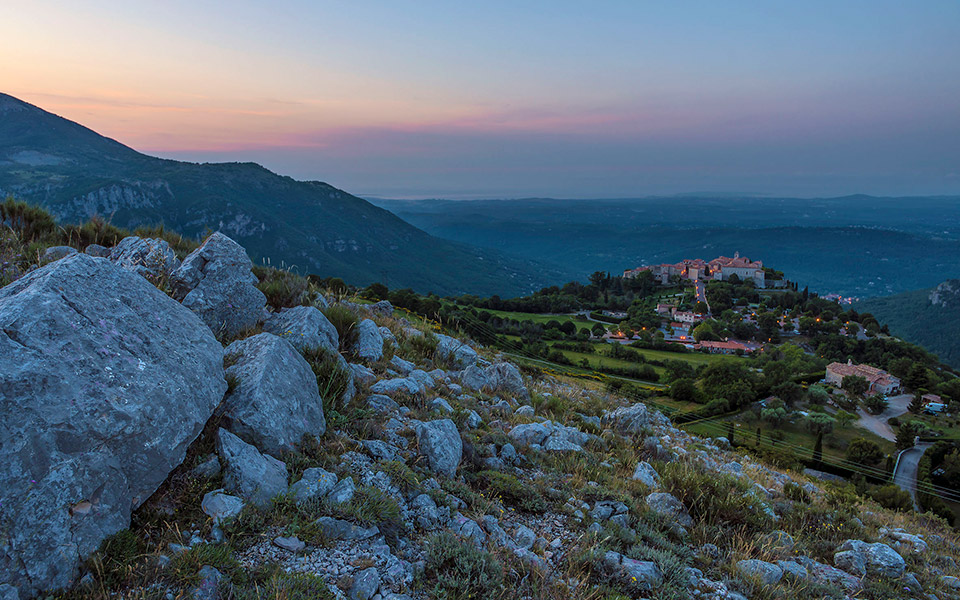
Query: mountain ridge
[[77, 173]]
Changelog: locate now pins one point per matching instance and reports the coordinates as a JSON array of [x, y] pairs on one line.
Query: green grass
[[795, 435], [579, 321]]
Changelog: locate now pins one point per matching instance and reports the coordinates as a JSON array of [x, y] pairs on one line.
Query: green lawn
[[579, 321], [796, 438], [949, 426]]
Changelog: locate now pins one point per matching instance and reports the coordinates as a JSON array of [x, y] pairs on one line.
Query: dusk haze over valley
[[506, 300]]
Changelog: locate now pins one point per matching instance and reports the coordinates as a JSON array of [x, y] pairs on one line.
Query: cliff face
[[947, 294], [347, 451]]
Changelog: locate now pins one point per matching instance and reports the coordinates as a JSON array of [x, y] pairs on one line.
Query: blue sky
[[504, 99]]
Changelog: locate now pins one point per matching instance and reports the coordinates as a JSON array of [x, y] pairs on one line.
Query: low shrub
[[513, 491], [271, 581], [345, 322], [714, 498], [459, 570], [283, 289]]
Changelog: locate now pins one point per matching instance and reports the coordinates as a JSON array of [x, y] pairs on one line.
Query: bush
[[713, 498], [371, 506], [345, 322], [512, 491], [459, 569], [893, 497], [283, 289], [796, 493]]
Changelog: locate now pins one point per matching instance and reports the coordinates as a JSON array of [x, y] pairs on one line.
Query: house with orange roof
[[878, 380]]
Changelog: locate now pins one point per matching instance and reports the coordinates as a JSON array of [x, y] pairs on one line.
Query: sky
[[501, 99]]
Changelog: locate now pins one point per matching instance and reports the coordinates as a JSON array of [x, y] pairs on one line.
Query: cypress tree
[[818, 450]]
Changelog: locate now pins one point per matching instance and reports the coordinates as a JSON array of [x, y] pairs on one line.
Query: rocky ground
[[183, 428]]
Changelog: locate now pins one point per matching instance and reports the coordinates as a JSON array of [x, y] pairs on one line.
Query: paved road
[[701, 288], [878, 423], [906, 473]]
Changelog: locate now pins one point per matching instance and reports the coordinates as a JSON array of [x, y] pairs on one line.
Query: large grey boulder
[[305, 327], [149, 257], [276, 400], [530, 433], [215, 281], [254, 476], [629, 419], [104, 382], [861, 559], [369, 344], [456, 352], [440, 444], [498, 377]]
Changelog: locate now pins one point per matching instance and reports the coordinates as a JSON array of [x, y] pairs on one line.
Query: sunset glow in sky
[[507, 99]]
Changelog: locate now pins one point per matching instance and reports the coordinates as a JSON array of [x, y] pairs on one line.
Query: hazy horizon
[[618, 99]]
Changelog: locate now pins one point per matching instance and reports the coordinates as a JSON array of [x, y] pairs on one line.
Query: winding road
[[905, 475]]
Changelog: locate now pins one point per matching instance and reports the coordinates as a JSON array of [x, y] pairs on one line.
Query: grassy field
[[796, 438], [580, 321]]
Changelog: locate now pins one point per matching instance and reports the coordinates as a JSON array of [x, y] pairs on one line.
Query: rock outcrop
[[499, 377], [149, 257], [104, 382], [276, 400], [215, 281]]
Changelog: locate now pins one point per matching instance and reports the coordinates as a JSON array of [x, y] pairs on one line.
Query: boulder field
[[441, 465]]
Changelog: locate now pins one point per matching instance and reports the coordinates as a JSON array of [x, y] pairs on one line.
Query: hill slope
[[856, 245], [77, 173], [930, 318]]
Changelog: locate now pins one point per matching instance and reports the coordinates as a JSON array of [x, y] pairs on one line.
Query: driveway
[[906, 473], [878, 423]]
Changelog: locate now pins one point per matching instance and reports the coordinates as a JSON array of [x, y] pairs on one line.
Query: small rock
[[365, 584], [290, 544], [57, 252], [647, 475], [767, 573], [524, 536], [314, 484], [667, 505], [220, 506], [209, 587], [209, 468], [342, 492]]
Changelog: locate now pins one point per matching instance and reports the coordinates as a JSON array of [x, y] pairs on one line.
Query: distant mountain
[[77, 173], [855, 245], [930, 318]]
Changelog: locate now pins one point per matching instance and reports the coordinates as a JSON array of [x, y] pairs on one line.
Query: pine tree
[[818, 450], [916, 405]]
